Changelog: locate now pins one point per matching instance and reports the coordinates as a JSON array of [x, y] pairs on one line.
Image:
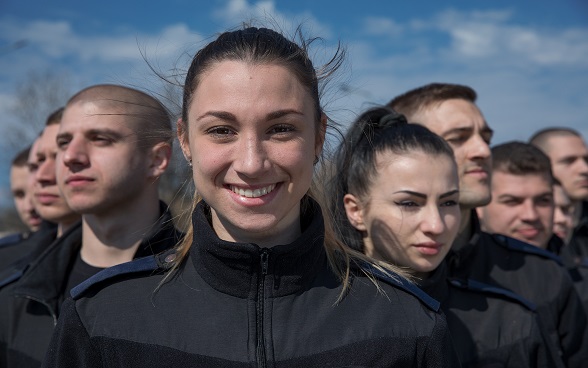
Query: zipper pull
[[264, 261]]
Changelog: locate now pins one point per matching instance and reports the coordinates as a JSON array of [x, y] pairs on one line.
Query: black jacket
[[534, 274], [578, 246], [491, 326], [30, 305], [239, 305], [17, 246]]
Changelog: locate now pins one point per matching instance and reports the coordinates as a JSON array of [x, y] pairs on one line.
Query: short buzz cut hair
[[520, 158], [21, 159], [153, 120], [55, 117], [416, 100], [541, 138]]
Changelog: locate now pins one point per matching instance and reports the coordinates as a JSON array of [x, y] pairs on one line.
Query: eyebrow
[[424, 196], [111, 132], [486, 129], [227, 116]]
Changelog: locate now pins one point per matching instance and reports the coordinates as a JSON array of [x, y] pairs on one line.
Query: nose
[[479, 148], [432, 222], [250, 157], [45, 174], [75, 155], [528, 211]]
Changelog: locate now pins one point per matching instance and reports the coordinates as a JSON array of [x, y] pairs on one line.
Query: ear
[[183, 139], [480, 213], [160, 157], [320, 139], [354, 211]]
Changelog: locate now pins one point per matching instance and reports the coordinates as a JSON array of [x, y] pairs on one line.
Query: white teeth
[[253, 193]]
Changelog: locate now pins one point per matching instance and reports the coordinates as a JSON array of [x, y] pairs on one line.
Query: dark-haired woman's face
[[252, 138], [413, 214]]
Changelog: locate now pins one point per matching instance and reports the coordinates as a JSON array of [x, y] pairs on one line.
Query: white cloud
[[382, 26], [57, 39], [265, 12], [481, 35]]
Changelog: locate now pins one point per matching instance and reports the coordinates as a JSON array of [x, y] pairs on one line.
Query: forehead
[[566, 145], [245, 88], [47, 139], [18, 174], [520, 185], [407, 169], [452, 114], [88, 115]]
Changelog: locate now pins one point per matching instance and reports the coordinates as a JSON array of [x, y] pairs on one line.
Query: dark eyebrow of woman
[[227, 116], [421, 195]]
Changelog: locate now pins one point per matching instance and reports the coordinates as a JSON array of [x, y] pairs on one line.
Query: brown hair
[[415, 101]]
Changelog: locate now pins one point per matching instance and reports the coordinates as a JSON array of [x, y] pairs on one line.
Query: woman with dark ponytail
[[260, 280], [395, 198]]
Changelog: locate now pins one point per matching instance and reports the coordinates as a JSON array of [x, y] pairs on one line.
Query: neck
[[65, 225], [113, 238], [465, 229], [577, 213]]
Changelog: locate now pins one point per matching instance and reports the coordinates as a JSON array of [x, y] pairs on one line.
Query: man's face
[[50, 203], [462, 125], [22, 192], [522, 208], [101, 166], [563, 217], [569, 161]]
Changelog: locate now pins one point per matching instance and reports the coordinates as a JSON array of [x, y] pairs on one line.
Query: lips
[[78, 179], [253, 192], [429, 248], [46, 198]]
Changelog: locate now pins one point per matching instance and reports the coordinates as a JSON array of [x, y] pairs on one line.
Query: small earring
[[190, 162]]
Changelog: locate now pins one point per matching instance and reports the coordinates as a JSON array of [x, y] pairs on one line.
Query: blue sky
[[528, 60]]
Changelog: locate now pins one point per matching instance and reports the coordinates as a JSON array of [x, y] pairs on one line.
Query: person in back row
[[259, 280], [569, 160], [449, 110], [385, 207], [522, 205], [58, 218], [112, 146], [21, 188]]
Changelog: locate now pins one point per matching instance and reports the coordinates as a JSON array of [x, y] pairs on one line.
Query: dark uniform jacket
[[239, 305], [578, 247], [491, 326], [30, 305], [534, 274], [17, 246]]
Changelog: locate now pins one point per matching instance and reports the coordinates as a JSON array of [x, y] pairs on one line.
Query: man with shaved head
[[450, 111], [569, 160], [113, 145]]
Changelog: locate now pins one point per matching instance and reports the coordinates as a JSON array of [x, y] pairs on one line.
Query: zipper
[[45, 304], [264, 261]]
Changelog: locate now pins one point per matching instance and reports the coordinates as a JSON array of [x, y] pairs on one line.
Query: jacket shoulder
[[522, 247], [11, 239], [491, 290], [135, 268], [400, 282]]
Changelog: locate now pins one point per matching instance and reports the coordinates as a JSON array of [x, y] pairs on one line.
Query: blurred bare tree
[[35, 97]]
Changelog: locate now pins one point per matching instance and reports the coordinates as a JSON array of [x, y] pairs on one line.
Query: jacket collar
[[44, 280], [236, 268], [436, 284]]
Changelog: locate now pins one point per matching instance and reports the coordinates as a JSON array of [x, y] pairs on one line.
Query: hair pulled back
[[374, 132]]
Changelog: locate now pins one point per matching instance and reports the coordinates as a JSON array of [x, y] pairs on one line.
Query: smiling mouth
[[253, 193]]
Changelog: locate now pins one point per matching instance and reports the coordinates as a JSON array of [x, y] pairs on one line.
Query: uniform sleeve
[[440, 351], [572, 327], [71, 345]]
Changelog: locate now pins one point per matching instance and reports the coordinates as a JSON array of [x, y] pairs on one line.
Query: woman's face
[[252, 136], [411, 215]]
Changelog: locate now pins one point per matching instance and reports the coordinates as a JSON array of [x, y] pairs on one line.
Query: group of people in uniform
[[412, 244]]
